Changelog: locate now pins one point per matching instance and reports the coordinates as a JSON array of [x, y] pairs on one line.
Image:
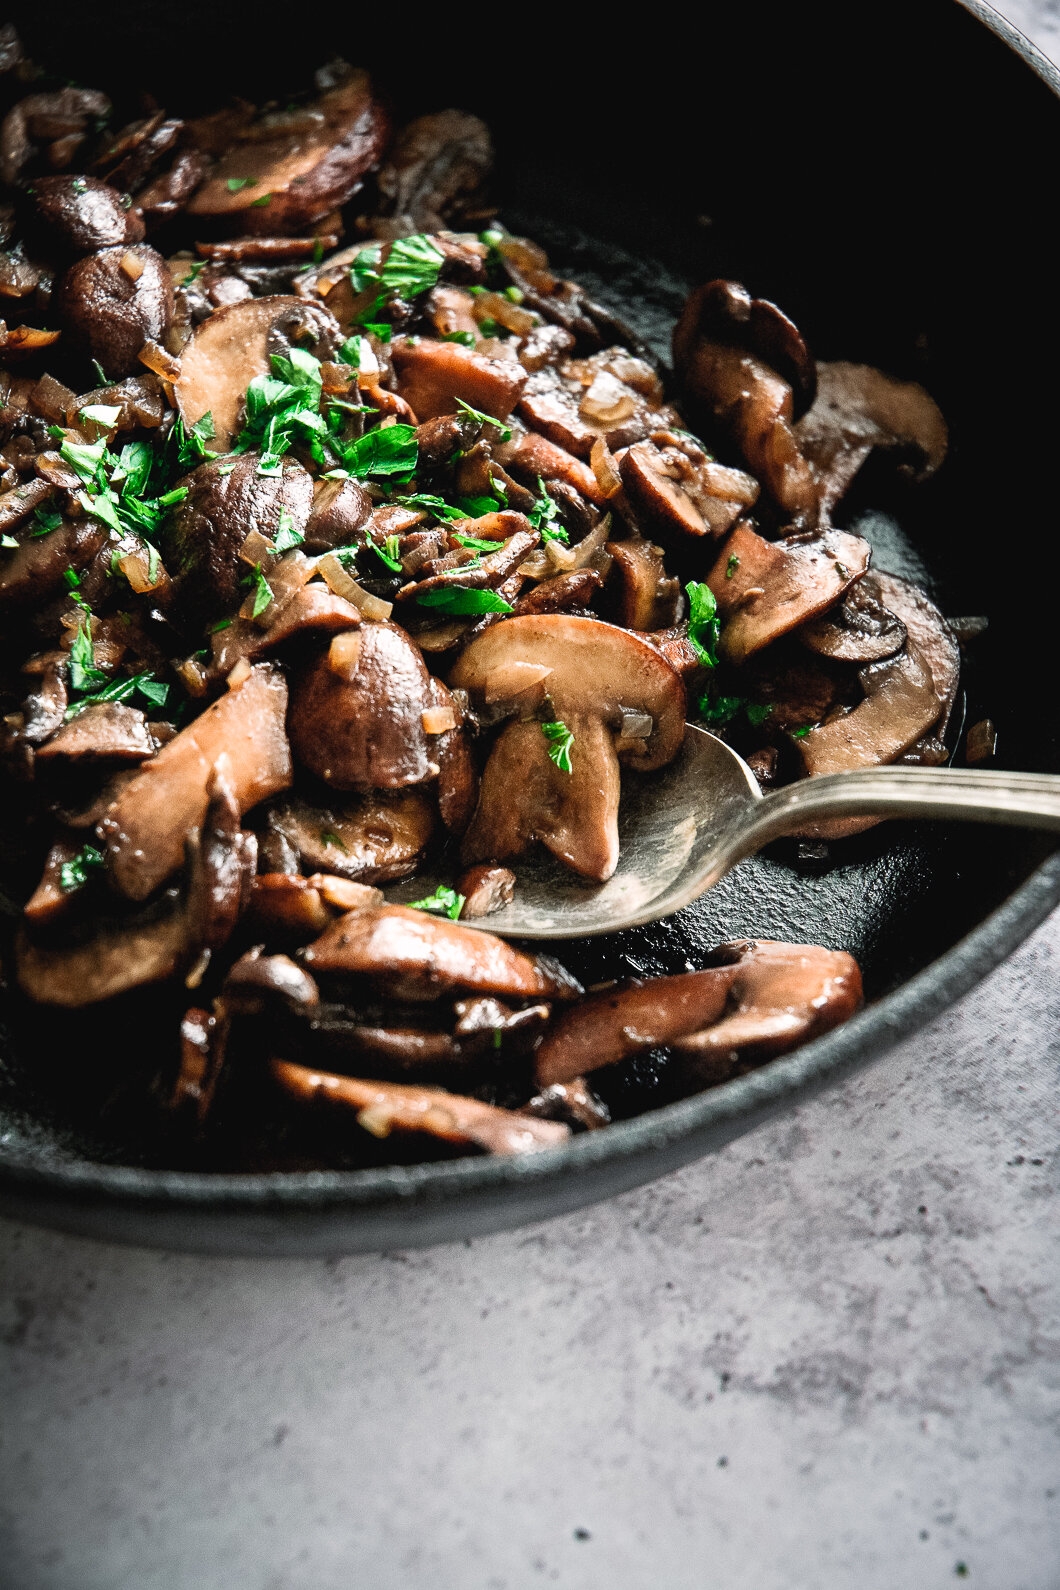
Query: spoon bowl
[[683, 828]]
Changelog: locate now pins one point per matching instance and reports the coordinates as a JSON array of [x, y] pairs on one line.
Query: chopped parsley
[[457, 600], [723, 709], [329, 837], [478, 507], [412, 266], [84, 675], [466, 339], [287, 537], [797, 734], [354, 350], [8, 541], [443, 902], [390, 450], [732, 565], [154, 691], [704, 627], [105, 415], [235, 184], [437, 506], [504, 431], [388, 553], [560, 741], [262, 592], [74, 874], [191, 444], [46, 520], [544, 516], [477, 543]]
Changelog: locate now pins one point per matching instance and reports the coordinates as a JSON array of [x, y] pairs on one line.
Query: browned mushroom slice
[[858, 629], [289, 169], [478, 571], [766, 997], [900, 705], [457, 778], [84, 214], [146, 827], [606, 1027], [677, 493], [437, 163], [65, 112], [573, 1102], [385, 1107], [340, 509], [357, 721], [106, 731], [17, 505], [561, 593], [114, 301], [50, 899], [169, 937], [260, 982], [32, 572], [202, 1044], [434, 376], [18, 342], [649, 598], [857, 409], [227, 351], [407, 954], [532, 457], [208, 529], [766, 588], [372, 839], [674, 645], [781, 995], [593, 673], [936, 643], [485, 889], [720, 360]]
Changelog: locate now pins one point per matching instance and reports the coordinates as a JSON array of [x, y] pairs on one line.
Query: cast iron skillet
[[876, 170]]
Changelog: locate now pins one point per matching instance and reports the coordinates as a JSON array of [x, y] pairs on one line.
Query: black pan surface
[[878, 173]]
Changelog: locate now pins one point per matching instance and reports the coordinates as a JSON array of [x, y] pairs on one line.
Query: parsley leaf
[[443, 902], [234, 184], [389, 450], [191, 444], [432, 505], [476, 543], [354, 350], [74, 874], [46, 520], [544, 516], [732, 565], [704, 626], [504, 431], [287, 537], [329, 837], [412, 266], [466, 339], [262, 593], [457, 600], [561, 739], [84, 675], [388, 553], [8, 541]]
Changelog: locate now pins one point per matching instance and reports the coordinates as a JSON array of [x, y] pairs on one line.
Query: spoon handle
[[1019, 800]]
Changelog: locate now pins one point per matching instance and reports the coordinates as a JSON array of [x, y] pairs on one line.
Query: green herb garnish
[[560, 741], [262, 592], [477, 543], [412, 266], [485, 419], [466, 339], [432, 505], [704, 627], [75, 874], [443, 902], [329, 837], [235, 184], [389, 450], [732, 565], [84, 675], [287, 537], [46, 520], [544, 516], [458, 600], [388, 553]]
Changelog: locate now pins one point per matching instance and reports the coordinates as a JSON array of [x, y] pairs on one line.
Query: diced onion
[[137, 570], [635, 725], [240, 673], [159, 361], [256, 549], [512, 679], [438, 720], [494, 306], [192, 676], [344, 653], [604, 467], [343, 584], [133, 266], [607, 401]]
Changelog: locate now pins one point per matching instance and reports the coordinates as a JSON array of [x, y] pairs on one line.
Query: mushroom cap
[[305, 170], [795, 579], [725, 312], [371, 838], [594, 669], [224, 354], [109, 311], [432, 376], [414, 956], [900, 705], [84, 214]]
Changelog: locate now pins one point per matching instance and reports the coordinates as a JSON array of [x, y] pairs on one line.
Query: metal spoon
[[683, 828]]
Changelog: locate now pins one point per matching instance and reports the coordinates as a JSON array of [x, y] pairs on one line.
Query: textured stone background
[[826, 1357]]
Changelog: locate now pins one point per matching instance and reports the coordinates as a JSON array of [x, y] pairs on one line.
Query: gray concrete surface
[[827, 1357]]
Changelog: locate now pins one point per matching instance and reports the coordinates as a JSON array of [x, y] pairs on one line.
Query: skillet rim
[[470, 1196]]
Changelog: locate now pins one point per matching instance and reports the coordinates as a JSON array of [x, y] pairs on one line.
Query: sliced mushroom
[[84, 214], [108, 731], [594, 670], [858, 409], [649, 598], [409, 955], [32, 572], [674, 491], [674, 645], [457, 777], [765, 995], [781, 995], [433, 376], [340, 509], [169, 937], [531, 458], [766, 588], [857, 629], [208, 529], [485, 889], [65, 112], [146, 827], [259, 983], [438, 161], [363, 728], [372, 839], [739, 357], [900, 705], [562, 593], [287, 170], [385, 1107], [114, 301], [227, 351], [17, 505], [934, 640]]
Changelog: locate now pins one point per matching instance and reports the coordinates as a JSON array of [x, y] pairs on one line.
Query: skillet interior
[[883, 188]]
